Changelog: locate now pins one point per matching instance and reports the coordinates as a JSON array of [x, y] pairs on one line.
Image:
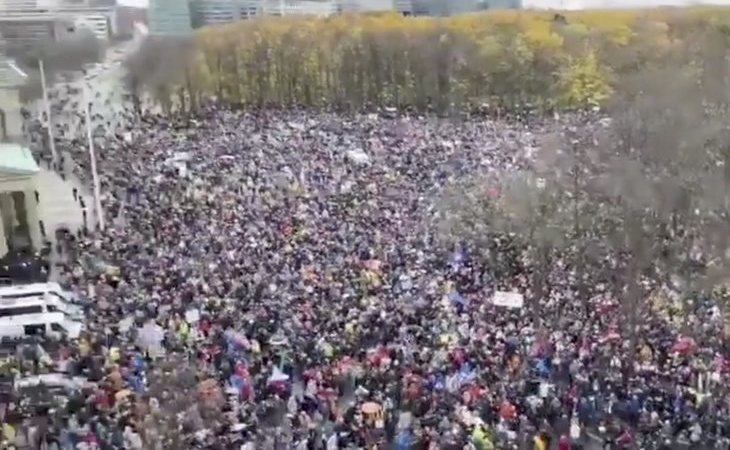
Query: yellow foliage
[[540, 35], [513, 56], [582, 83]]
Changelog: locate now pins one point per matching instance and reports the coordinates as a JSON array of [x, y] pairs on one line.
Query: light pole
[[47, 106], [92, 157]]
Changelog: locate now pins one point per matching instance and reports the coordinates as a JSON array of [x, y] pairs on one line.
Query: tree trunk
[[191, 92], [181, 100], [631, 313]]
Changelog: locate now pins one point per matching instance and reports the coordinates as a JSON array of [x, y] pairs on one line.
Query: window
[[37, 329], [17, 311], [54, 308], [59, 296], [21, 295], [57, 328], [3, 130]]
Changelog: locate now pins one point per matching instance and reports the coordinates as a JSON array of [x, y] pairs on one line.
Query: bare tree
[[714, 90], [68, 54], [531, 207], [159, 68], [654, 167], [525, 207], [32, 89], [65, 55], [569, 158]]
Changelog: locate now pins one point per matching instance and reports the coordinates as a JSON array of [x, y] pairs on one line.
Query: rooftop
[[10, 74], [16, 160]]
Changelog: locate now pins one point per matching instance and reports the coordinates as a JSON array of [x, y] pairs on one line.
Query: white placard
[[192, 316], [126, 324], [508, 299]]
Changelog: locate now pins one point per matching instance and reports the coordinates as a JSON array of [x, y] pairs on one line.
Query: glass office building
[[169, 18], [213, 12]]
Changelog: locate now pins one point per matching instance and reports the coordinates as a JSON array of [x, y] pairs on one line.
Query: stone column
[[3, 240], [7, 208], [10, 99], [33, 219]]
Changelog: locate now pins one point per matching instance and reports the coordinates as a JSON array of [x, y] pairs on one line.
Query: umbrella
[[371, 408], [372, 411], [684, 345]]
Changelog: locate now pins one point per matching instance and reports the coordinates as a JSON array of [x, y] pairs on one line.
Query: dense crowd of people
[[274, 280]]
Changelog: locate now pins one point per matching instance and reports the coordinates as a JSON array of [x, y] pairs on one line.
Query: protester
[[278, 281]]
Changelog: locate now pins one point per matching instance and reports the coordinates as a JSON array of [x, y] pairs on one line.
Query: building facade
[[26, 22], [125, 20], [367, 5], [169, 18], [299, 7], [99, 24], [19, 212], [13, 5], [20, 227], [11, 79], [214, 12]]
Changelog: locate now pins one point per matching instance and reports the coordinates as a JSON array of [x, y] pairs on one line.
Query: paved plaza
[[58, 206], [104, 84]]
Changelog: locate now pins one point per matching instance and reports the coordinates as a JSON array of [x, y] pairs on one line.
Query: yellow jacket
[[540, 444]]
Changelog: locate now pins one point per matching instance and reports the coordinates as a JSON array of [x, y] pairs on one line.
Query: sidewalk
[[59, 209], [105, 78]]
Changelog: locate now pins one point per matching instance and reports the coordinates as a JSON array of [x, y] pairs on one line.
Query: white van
[[36, 289], [51, 324], [14, 302], [38, 305]]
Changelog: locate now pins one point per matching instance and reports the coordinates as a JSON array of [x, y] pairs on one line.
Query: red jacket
[[564, 443]]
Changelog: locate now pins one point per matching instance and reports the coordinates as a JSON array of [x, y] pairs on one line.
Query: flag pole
[[92, 157], [47, 106]]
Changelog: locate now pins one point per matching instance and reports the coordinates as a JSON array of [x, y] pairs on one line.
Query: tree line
[[502, 60]]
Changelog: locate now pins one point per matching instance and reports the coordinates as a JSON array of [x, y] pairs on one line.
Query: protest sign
[[192, 316], [508, 299]]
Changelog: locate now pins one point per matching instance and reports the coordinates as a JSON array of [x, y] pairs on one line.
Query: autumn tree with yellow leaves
[[504, 59]]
